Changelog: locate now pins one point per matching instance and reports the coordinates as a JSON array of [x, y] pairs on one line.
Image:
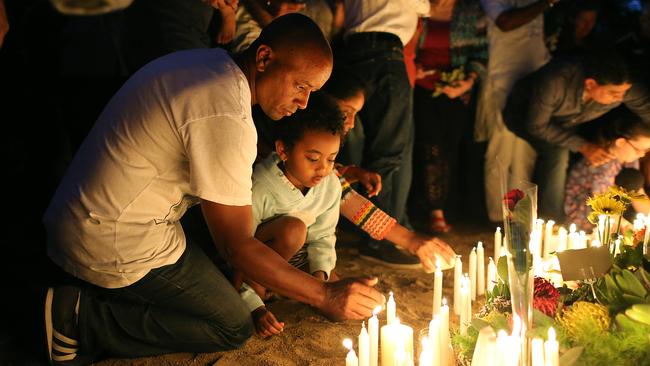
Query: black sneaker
[[390, 256], [61, 326]]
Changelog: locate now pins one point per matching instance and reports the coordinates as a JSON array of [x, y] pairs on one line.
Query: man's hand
[[595, 154], [351, 298], [266, 324], [371, 181], [428, 249]]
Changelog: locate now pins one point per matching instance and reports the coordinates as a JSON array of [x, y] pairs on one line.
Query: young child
[[296, 199], [626, 137]]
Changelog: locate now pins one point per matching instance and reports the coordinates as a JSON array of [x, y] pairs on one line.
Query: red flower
[[639, 235], [511, 198], [545, 297]]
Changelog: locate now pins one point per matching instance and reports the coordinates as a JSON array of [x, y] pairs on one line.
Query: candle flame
[[437, 264], [480, 244], [551, 334], [444, 301], [499, 229], [376, 310], [347, 343]]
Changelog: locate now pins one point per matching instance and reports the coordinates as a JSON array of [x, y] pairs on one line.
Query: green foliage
[[629, 346], [464, 344]]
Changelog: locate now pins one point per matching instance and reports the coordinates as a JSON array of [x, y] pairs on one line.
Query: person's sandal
[[439, 225]]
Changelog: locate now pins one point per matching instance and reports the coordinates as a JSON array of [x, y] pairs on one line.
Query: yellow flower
[[606, 203], [582, 313], [631, 195]]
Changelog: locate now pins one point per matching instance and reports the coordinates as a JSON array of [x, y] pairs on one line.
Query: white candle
[[550, 243], [445, 339], [426, 355], [373, 330], [562, 239], [617, 246], [573, 237], [391, 311], [537, 351], [504, 352], [458, 275], [601, 228], [351, 359], [364, 346], [582, 240], [552, 349], [491, 275], [466, 303], [472, 273], [480, 269], [497, 243], [646, 235], [396, 341], [437, 288], [434, 339]]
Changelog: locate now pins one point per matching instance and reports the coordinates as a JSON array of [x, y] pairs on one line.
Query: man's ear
[[263, 57], [281, 149]]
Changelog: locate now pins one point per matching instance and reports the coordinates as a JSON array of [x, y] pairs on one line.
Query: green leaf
[[542, 320], [502, 268], [522, 211], [479, 324], [630, 284], [571, 356]]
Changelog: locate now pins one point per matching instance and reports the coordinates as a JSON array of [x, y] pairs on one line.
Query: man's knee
[[235, 330]]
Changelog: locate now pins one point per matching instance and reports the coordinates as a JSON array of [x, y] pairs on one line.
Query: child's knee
[[293, 233]]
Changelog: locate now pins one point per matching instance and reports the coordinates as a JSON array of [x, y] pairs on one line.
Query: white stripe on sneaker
[[61, 358], [63, 338], [62, 349]]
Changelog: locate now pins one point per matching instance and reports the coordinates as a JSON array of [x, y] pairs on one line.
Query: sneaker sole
[[391, 265], [48, 322]]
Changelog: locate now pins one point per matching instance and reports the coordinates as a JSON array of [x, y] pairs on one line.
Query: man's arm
[[516, 17], [231, 229]]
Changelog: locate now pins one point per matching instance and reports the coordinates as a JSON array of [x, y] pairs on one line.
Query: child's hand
[[371, 181], [320, 275], [266, 324]]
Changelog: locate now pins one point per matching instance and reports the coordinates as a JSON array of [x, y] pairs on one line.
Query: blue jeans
[[188, 306], [378, 59]]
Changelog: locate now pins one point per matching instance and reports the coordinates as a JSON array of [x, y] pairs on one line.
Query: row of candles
[[497, 349], [397, 341], [397, 338]]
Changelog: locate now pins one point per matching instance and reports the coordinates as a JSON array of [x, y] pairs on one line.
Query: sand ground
[[310, 339]]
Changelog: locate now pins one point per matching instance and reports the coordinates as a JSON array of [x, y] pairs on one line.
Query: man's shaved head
[[292, 59], [294, 32]]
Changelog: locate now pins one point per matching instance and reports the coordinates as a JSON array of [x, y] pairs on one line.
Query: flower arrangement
[[607, 326]]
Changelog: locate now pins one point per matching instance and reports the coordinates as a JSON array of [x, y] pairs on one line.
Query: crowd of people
[[203, 151]]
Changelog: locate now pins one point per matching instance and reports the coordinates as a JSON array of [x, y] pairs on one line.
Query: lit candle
[[445, 339], [396, 341], [434, 339], [646, 235], [373, 330], [504, 350], [550, 242], [562, 239], [458, 274], [552, 349], [364, 346], [480, 269], [472, 273], [573, 237], [351, 359], [491, 275], [617, 246], [582, 240], [466, 303], [437, 288], [497, 243], [390, 309], [426, 355], [537, 351]]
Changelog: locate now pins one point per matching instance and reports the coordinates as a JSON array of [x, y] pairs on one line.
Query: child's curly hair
[[322, 114]]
